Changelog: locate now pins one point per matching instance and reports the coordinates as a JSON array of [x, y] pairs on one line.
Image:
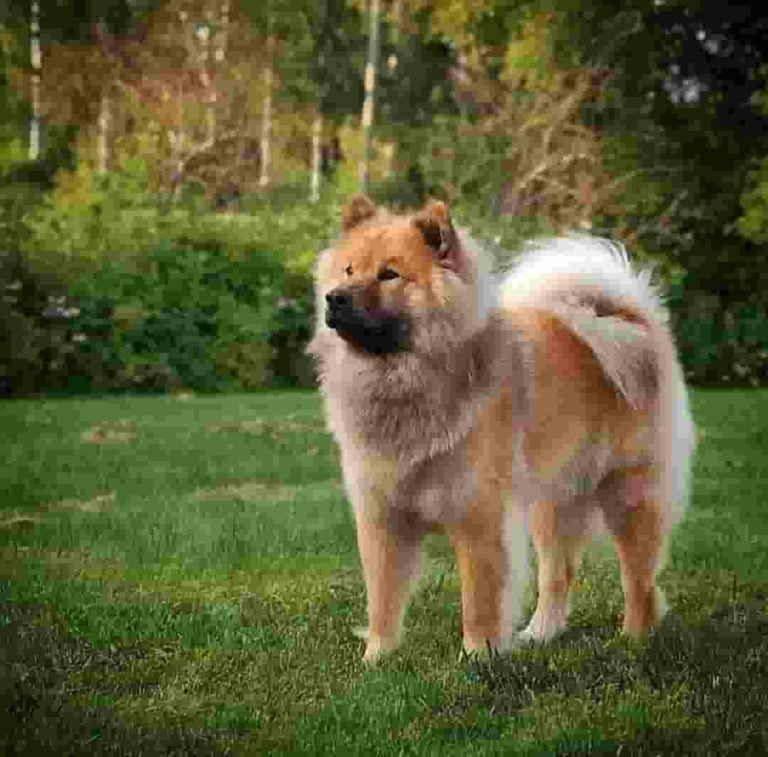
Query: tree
[[682, 115]]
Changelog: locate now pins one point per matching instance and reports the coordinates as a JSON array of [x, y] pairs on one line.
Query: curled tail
[[589, 285]]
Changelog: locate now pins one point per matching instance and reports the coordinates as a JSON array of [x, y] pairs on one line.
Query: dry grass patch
[[98, 504], [16, 522], [274, 428], [248, 491], [110, 432]]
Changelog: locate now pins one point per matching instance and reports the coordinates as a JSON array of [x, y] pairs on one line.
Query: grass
[[178, 575]]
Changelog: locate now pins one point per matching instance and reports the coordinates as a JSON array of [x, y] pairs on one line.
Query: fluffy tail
[[615, 309]]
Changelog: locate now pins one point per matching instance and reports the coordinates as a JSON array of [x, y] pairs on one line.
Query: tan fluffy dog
[[551, 402]]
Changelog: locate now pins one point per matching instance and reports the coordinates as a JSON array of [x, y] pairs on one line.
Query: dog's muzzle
[[372, 329]]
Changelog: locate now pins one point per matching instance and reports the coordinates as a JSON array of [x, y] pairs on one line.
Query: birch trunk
[[204, 35], [102, 134], [317, 156], [390, 149], [215, 55], [370, 94], [35, 125], [266, 116], [223, 35]]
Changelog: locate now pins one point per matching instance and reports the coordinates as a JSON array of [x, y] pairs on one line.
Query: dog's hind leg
[[634, 516], [491, 550], [391, 556], [558, 554]]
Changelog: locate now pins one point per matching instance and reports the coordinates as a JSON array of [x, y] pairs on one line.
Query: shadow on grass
[[41, 715], [721, 664]]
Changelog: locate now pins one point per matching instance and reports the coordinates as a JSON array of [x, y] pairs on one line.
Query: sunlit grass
[[182, 575]]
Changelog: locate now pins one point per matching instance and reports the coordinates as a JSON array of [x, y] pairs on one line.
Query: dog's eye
[[348, 270], [388, 274]]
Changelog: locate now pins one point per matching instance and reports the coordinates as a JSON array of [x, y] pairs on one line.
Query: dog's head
[[389, 276]]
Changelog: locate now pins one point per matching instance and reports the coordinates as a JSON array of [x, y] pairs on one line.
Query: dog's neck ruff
[[417, 405]]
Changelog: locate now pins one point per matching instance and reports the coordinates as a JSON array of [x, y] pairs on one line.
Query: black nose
[[338, 299]]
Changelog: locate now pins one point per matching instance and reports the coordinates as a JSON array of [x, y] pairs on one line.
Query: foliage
[[720, 342], [520, 146], [90, 219], [191, 318], [647, 123], [682, 114], [204, 301], [753, 224], [35, 349]]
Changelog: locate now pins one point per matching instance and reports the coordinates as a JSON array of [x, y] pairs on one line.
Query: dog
[[549, 404]]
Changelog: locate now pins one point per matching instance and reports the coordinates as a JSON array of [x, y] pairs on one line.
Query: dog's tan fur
[[555, 413]]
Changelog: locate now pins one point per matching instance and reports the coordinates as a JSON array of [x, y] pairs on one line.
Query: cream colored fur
[[572, 276], [402, 422]]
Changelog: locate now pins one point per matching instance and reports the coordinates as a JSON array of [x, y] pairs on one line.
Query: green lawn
[[179, 575]]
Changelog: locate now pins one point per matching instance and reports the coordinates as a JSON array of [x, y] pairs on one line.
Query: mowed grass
[[179, 575]]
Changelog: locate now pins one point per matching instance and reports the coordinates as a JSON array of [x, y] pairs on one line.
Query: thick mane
[[414, 406]]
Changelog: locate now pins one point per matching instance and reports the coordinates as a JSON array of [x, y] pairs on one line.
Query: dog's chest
[[435, 490]]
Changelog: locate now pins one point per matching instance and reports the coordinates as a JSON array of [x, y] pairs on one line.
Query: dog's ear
[[359, 208], [434, 223]]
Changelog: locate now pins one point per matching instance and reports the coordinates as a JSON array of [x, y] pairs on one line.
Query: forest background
[[169, 169]]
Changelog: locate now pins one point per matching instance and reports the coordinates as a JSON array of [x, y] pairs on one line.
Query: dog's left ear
[[434, 223]]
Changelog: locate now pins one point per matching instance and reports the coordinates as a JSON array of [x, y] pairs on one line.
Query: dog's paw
[[376, 647], [542, 630]]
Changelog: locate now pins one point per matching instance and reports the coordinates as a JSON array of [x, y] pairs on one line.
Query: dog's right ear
[[359, 208]]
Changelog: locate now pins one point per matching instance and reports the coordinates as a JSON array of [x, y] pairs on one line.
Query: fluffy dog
[[551, 403]]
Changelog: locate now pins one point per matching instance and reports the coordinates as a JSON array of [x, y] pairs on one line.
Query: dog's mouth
[[373, 330]]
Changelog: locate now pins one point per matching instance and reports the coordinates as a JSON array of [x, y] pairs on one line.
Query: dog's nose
[[338, 299]]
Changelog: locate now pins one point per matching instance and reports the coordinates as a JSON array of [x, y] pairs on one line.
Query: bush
[[36, 348], [172, 297], [88, 220], [192, 318], [719, 343], [225, 303]]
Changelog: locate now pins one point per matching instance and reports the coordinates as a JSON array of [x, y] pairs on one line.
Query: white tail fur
[[582, 267], [575, 279]]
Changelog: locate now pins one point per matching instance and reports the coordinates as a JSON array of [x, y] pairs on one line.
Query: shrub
[[36, 346], [719, 343], [170, 297], [89, 220], [202, 320], [224, 302]]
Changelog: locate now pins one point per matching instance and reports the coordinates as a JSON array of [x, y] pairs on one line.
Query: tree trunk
[[35, 124], [370, 94], [317, 155], [222, 38], [102, 134], [204, 56], [266, 116], [390, 151]]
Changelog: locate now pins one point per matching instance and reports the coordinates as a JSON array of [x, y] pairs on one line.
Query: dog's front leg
[[390, 553]]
